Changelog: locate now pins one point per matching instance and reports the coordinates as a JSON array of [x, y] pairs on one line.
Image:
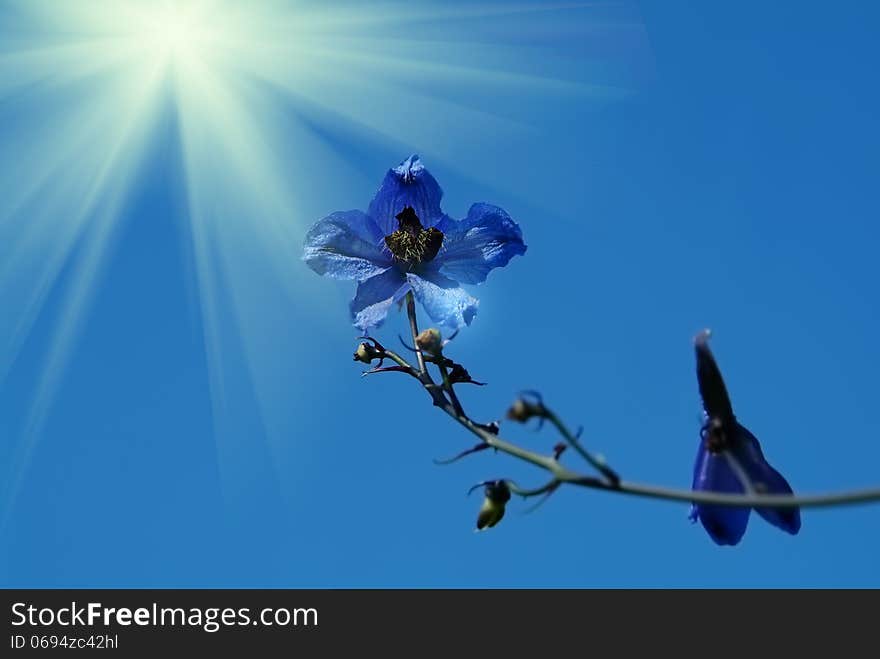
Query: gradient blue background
[[734, 188]]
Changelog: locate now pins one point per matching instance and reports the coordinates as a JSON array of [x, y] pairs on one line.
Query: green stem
[[573, 441], [447, 385], [561, 474], [414, 327]]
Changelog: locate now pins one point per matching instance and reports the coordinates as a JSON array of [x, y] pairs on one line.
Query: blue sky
[[178, 404]]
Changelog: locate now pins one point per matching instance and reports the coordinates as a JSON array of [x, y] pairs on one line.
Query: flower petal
[[408, 184], [766, 480], [445, 301], [712, 473], [487, 238], [375, 296], [346, 245], [716, 401]]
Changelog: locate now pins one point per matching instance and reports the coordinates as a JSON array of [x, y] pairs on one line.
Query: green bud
[[430, 341], [523, 410], [492, 509], [366, 353], [491, 513]]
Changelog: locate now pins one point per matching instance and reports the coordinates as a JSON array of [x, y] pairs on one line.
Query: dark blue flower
[[728, 455], [404, 242]]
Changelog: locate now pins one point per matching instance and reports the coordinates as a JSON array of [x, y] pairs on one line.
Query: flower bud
[[492, 509], [366, 353], [430, 341], [523, 410]]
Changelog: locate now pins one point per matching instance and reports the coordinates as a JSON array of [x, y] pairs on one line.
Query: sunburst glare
[[256, 90]]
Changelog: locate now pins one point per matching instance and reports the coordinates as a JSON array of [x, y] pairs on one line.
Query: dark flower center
[[412, 243], [714, 435]]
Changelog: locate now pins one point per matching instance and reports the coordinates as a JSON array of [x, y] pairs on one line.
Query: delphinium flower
[[730, 460], [405, 243]]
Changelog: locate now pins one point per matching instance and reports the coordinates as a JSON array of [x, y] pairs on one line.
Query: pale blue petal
[[346, 245], [408, 184], [375, 296], [445, 301], [487, 238]]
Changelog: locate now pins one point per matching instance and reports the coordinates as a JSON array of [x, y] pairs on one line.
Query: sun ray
[[84, 84]]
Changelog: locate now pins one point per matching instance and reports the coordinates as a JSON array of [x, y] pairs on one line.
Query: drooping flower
[[405, 242], [729, 454]]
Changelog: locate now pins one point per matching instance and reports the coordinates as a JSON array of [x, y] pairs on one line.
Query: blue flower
[[728, 455], [405, 243]]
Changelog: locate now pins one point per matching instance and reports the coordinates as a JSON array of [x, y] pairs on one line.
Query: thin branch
[[385, 369], [737, 468], [562, 475], [447, 384], [482, 446], [573, 441], [405, 344], [540, 502], [526, 494], [849, 497], [438, 359], [414, 327]]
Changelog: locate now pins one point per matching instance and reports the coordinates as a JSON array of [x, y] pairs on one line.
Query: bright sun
[[175, 34]]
